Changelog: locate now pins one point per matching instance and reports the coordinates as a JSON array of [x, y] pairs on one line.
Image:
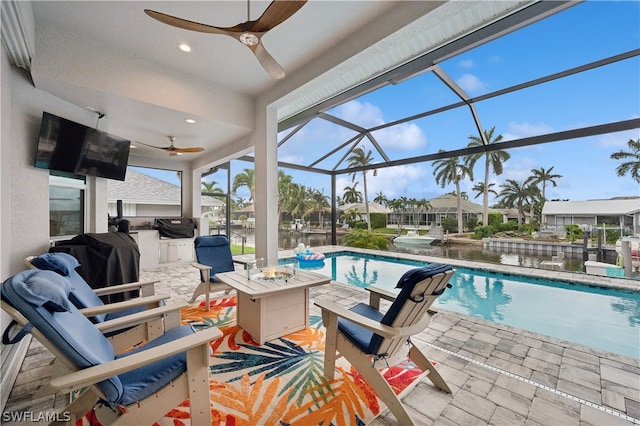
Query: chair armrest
[[331, 308], [140, 317], [154, 301], [146, 288], [385, 331], [201, 266], [205, 270], [92, 375], [377, 293]]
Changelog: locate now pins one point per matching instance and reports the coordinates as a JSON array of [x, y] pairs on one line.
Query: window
[[66, 206], [146, 192]]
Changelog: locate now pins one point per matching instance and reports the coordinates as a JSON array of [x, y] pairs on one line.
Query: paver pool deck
[[499, 375]]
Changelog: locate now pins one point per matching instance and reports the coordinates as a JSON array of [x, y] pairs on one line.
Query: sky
[[584, 33]]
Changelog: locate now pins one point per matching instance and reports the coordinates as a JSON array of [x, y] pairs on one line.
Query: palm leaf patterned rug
[[281, 382]]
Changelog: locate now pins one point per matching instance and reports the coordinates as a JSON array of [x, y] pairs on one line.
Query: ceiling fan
[[248, 33], [172, 149]]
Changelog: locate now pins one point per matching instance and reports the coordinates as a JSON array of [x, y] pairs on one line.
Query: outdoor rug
[[281, 382]]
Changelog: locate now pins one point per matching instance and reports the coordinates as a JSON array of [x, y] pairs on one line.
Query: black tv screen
[[69, 147]]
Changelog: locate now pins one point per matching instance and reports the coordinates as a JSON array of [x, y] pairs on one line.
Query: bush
[[378, 220], [527, 228], [573, 233], [364, 239], [360, 225], [471, 223], [507, 226], [494, 220], [481, 232], [449, 224]]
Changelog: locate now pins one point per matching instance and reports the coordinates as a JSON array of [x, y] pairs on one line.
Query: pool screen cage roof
[[568, 59]]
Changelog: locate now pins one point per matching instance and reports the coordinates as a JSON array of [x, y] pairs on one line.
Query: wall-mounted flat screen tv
[[69, 147]]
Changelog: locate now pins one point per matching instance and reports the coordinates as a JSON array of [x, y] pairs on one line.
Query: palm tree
[[245, 178], [380, 198], [321, 204], [492, 159], [517, 194], [480, 187], [285, 189], [542, 176], [451, 170], [211, 188], [358, 158], [351, 194], [632, 167], [301, 202]]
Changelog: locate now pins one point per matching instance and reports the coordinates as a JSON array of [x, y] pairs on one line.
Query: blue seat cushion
[[366, 340], [70, 331], [144, 381]]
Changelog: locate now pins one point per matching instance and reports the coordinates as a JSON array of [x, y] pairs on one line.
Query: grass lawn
[[237, 249]]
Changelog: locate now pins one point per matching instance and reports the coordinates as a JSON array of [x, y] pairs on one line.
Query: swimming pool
[[599, 317]]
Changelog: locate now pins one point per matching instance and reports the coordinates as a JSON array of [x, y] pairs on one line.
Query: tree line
[[526, 194]]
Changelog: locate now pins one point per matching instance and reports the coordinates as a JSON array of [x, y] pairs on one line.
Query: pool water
[[598, 317]]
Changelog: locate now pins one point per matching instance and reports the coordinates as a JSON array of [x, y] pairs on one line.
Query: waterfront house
[[622, 213]]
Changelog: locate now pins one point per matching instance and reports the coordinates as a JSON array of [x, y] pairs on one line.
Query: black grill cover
[[105, 259], [175, 228]]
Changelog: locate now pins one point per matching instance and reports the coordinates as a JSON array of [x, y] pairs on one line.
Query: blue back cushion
[[214, 251], [407, 283], [36, 294], [82, 295]]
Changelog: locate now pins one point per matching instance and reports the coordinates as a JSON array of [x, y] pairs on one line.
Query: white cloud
[[617, 140], [523, 130], [410, 180], [470, 83], [405, 136], [361, 113], [466, 63]]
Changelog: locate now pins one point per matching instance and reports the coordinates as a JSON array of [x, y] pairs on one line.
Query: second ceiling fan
[[248, 33], [172, 149]]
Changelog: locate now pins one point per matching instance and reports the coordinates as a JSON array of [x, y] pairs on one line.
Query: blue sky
[[584, 33], [587, 32]]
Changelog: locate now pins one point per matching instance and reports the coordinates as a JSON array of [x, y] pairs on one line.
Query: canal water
[[289, 240]]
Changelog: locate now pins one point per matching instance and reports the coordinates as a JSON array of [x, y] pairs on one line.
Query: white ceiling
[[111, 56]]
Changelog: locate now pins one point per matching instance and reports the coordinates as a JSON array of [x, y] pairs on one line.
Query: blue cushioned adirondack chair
[[88, 301], [365, 336], [213, 255], [139, 386]]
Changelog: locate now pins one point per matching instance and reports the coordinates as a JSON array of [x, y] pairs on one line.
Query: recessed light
[[132, 146], [190, 120], [184, 47]]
